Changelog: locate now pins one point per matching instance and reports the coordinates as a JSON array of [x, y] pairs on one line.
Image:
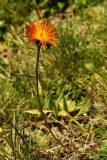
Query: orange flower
[[42, 32]]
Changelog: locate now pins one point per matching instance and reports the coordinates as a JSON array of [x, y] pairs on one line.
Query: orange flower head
[[43, 33]]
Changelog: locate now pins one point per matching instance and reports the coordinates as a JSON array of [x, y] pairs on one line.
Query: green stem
[[38, 98]]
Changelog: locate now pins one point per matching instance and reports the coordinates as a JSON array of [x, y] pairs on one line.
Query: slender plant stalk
[[38, 98], [18, 134]]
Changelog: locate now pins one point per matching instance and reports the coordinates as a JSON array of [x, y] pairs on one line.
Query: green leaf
[[60, 5], [65, 104], [33, 16], [84, 107]]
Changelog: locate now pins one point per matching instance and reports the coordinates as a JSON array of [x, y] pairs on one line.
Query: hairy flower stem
[[38, 98]]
